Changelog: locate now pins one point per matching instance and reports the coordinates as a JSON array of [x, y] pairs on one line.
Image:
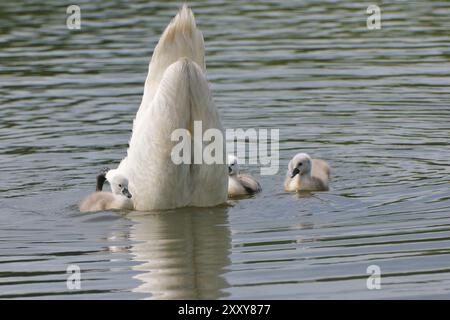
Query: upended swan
[[118, 198], [306, 174], [240, 184], [176, 94]]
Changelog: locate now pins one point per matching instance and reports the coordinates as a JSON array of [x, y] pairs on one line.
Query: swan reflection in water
[[182, 253]]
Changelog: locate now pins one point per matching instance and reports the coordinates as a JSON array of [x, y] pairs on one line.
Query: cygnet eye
[[300, 164], [120, 186]]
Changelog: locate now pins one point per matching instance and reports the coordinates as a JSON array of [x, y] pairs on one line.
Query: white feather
[[176, 94], [181, 38]]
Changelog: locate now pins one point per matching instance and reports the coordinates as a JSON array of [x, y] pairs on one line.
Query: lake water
[[374, 103]]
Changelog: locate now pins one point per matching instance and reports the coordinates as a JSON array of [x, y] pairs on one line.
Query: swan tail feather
[[181, 38]]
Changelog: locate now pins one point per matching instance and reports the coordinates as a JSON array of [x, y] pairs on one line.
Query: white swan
[[176, 94], [240, 184], [119, 198], [306, 174]]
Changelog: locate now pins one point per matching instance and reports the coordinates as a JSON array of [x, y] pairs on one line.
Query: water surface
[[374, 104]]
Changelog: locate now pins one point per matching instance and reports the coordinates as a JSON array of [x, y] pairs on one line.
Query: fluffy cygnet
[[119, 198], [240, 184], [306, 174]]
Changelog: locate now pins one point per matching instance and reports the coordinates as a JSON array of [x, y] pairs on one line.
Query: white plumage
[[176, 94]]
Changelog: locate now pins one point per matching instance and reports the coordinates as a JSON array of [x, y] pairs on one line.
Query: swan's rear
[[176, 94]]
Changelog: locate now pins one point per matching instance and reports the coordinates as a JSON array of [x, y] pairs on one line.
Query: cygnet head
[[118, 183], [300, 164], [233, 167]]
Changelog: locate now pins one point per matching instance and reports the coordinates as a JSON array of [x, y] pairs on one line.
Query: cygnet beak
[[229, 169], [295, 172], [125, 192]]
